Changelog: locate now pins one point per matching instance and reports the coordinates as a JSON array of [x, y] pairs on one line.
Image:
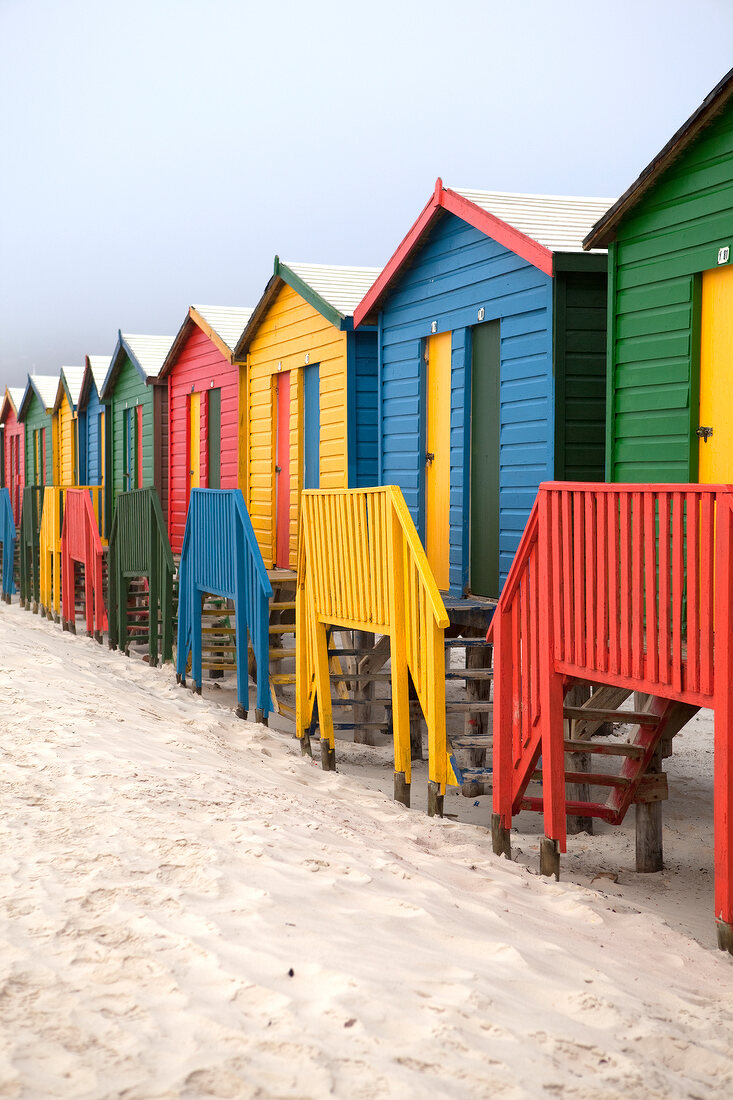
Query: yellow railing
[[49, 572], [361, 566]]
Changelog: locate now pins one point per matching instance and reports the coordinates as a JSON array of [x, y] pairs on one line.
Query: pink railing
[[80, 542]]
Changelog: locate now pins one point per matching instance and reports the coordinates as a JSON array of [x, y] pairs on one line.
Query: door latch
[[278, 469], [704, 433], [429, 457]]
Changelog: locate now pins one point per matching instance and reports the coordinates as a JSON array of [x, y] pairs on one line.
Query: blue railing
[[7, 537], [220, 556]]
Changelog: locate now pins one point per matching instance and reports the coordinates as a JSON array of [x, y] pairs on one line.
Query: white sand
[[163, 866]]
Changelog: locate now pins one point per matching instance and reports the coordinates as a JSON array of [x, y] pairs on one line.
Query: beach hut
[[36, 414], [205, 447], [92, 412], [13, 449], [311, 401], [670, 342], [66, 427], [491, 328], [138, 415]]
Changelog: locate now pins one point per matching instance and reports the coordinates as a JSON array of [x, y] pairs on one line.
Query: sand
[[189, 908]]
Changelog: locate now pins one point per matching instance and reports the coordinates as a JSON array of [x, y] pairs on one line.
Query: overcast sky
[[158, 153]]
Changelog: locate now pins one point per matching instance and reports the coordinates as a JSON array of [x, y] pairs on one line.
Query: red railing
[[612, 584], [80, 542]]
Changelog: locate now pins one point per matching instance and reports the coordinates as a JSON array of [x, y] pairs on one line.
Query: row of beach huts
[[480, 494]]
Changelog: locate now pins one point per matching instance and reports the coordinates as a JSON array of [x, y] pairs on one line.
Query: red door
[[282, 473]]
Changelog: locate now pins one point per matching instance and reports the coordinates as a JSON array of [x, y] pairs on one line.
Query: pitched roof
[[333, 290], [45, 386], [228, 322], [222, 324], [72, 378], [98, 365], [604, 230], [146, 353], [559, 222], [12, 398], [535, 227]]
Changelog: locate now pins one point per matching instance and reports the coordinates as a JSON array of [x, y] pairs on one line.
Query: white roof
[[16, 395], [559, 222], [150, 351], [342, 287], [74, 377], [228, 322], [99, 365], [46, 386]]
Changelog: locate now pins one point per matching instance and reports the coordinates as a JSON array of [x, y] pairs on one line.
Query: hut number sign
[[723, 255]]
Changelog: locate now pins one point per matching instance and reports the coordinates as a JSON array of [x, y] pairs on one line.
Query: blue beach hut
[[491, 324]]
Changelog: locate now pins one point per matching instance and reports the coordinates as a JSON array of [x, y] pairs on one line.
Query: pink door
[[282, 474]]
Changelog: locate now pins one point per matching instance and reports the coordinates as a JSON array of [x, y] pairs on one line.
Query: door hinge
[[704, 433]]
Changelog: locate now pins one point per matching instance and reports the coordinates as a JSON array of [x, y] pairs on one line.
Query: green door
[[485, 425]]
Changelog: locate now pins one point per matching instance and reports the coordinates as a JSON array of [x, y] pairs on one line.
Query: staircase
[[628, 589]]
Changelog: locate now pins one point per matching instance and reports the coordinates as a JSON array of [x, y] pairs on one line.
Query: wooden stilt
[[549, 858], [328, 756], [435, 799], [401, 789], [476, 722], [500, 837], [649, 846], [363, 695]]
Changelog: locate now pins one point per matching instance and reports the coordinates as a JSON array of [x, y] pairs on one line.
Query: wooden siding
[[580, 375], [130, 391], [290, 329], [457, 271], [94, 474], [35, 418], [199, 367], [12, 431], [65, 429], [365, 434], [654, 302]]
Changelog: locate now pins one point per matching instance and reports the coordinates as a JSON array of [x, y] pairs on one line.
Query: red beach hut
[[203, 409], [13, 448]]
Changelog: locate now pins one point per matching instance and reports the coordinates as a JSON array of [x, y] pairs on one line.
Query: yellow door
[[716, 377], [195, 441], [437, 459]]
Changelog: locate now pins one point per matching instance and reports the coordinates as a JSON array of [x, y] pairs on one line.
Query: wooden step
[[461, 643], [606, 748], [470, 674], [277, 606], [361, 726], [285, 628], [478, 741], [382, 677], [603, 714], [283, 678], [478, 707], [577, 809], [281, 654], [591, 779]]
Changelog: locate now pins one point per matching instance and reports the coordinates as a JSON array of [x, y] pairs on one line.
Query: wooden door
[[437, 458], [194, 441], [715, 454], [311, 427], [484, 473], [213, 439], [282, 473]]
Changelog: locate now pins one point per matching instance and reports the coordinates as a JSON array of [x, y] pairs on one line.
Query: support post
[[500, 837], [649, 846], [723, 689], [363, 694]]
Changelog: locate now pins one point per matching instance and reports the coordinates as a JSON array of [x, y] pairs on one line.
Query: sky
[[160, 153]]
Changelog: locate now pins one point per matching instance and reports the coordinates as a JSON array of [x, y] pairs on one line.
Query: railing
[[220, 556], [80, 543], [52, 516], [361, 566], [30, 534], [612, 584], [139, 547], [7, 537]]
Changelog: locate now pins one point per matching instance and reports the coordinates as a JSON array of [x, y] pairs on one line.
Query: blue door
[[311, 428]]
